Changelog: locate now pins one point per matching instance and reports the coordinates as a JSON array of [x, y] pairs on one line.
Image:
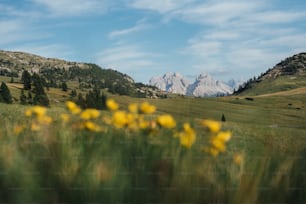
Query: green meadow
[[65, 162]]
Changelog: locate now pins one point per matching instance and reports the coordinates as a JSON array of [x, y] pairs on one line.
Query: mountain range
[[289, 74], [204, 85]]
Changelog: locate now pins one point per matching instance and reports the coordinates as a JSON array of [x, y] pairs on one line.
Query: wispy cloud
[[73, 7], [161, 6], [46, 50], [140, 25], [127, 58], [16, 31]]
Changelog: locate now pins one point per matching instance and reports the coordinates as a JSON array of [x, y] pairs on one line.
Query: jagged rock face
[[171, 82], [204, 85]]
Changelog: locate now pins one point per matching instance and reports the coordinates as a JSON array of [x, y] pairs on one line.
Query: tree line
[[33, 93]]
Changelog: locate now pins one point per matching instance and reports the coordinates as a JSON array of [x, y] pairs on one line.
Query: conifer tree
[[6, 96], [40, 97], [223, 118], [26, 80], [64, 86]]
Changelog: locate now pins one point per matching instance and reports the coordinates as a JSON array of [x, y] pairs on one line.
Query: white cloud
[[13, 31], [130, 59], [73, 7], [216, 12], [47, 50], [140, 25], [124, 57], [161, 6]]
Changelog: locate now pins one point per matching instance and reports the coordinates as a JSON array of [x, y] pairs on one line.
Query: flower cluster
[[85, 118], [218, 138], [138, 117], [39, 118]]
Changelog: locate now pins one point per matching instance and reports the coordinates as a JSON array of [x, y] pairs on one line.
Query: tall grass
[[65, 161]]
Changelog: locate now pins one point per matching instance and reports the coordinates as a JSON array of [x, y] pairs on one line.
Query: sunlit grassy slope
[[269, 131], [263, 121], [273, 85]]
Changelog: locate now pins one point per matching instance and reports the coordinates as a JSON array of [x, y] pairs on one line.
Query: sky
[[228, 39]]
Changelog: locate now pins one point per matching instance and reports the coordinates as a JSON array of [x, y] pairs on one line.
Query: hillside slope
[[85, 75], [286, 75]]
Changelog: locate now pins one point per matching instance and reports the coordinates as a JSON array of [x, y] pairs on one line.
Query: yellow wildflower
[[147, 108], [218, 144], [28, 112], [90, 113], [212, 151], [112, 105], [46, 120], [213, 126], [166, 121], [73, 108], [224, 136], [35, 127], [131, 120], [39, 110], [143, 124], [187, 136], [65, 117], [91, 126], [18, 129], [133, 107], [119, 119], [238, 158]]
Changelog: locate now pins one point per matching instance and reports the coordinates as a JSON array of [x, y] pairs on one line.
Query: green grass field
[[264, 161]]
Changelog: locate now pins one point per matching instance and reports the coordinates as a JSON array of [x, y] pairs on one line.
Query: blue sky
[[144, 38]]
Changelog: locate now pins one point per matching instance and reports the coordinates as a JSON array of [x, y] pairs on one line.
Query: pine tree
[[223, 118], [73, 93], [26, 80], [64, 86], [40, 97], [6, 96], [81, 101]]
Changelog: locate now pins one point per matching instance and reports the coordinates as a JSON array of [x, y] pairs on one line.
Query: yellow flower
[[212, 125], [143, 124], [166, 121], [133, 107], [18, 129], [39, 110], [35, 127], [119, 119], [147, 108], [187, 136], [224, 136], [46, 120], [65, 117], [90, 113], [73, 108], [112, 105], [218, 144], [28, 112], [131, 120], [91, 126], [238, 158], [212, 151]]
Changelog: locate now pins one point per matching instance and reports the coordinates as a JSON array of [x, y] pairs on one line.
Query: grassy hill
[[81, 76], [286, 75], [62, 157]]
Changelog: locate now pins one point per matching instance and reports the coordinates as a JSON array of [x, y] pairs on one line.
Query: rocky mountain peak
[[204, 85]]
